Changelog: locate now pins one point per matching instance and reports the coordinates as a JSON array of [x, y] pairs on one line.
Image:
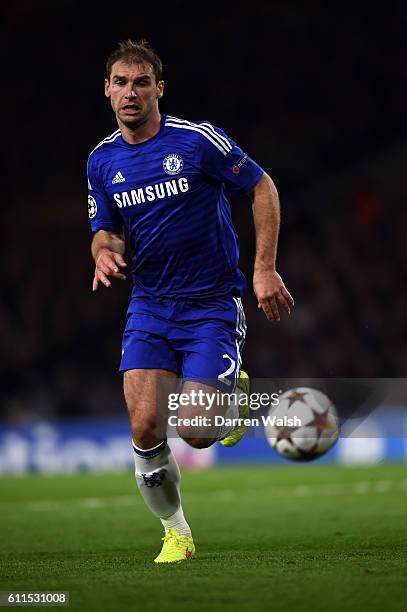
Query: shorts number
[[230, 370]]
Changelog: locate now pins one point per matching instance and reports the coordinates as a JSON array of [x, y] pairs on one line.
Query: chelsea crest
[[173, 163]]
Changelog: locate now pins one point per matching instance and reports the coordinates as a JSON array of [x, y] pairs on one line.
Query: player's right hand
[[107, 264]]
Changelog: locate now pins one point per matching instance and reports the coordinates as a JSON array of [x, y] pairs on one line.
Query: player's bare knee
[[195, 441], [146, 433], [199, 442]]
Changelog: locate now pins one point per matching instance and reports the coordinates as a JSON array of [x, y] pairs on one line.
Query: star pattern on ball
[[321, 421], [317, 420], [296, 396], [285, 433]]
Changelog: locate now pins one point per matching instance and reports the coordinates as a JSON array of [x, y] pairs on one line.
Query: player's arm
[[224, 161], [107, 251], [106, 223], [267, 283]]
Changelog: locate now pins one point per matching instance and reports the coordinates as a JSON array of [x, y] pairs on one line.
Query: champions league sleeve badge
[[173, 163], [92, 207]]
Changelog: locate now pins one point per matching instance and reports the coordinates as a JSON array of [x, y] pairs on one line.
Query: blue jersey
[[170, 192]]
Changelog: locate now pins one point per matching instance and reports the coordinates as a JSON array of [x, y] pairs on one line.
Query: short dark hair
[[138, 52]]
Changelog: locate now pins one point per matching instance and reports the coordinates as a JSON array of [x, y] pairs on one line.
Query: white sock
[[158, 479], [177, 521]]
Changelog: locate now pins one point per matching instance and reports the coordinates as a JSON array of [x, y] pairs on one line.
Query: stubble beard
[[134, 124]]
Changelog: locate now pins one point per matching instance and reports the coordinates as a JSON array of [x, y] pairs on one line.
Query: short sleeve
[[102, 212], [223, 160]]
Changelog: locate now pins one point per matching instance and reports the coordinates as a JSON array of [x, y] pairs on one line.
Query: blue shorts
[[196, 340]]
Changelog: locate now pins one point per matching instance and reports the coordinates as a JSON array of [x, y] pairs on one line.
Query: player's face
[[133, 92]]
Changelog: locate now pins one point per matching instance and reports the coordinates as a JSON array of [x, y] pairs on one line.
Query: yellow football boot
[[176, 547], [239, 431]]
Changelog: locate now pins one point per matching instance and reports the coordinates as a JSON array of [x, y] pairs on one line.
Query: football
[[304, 425]]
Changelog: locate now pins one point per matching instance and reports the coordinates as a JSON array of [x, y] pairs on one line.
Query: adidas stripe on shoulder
[[205, 129], [106, 140]]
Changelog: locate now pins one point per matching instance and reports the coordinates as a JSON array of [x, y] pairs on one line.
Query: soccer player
[[165, 179]]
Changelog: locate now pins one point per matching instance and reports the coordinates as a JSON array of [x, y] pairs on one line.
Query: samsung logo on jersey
[[151, 192]]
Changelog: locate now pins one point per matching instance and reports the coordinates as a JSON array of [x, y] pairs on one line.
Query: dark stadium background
[[315, 92]]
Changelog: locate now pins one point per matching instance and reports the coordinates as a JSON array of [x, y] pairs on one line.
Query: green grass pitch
[[307, 537]]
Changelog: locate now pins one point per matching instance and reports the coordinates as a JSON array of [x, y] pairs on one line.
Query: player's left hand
[[270, 292]]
